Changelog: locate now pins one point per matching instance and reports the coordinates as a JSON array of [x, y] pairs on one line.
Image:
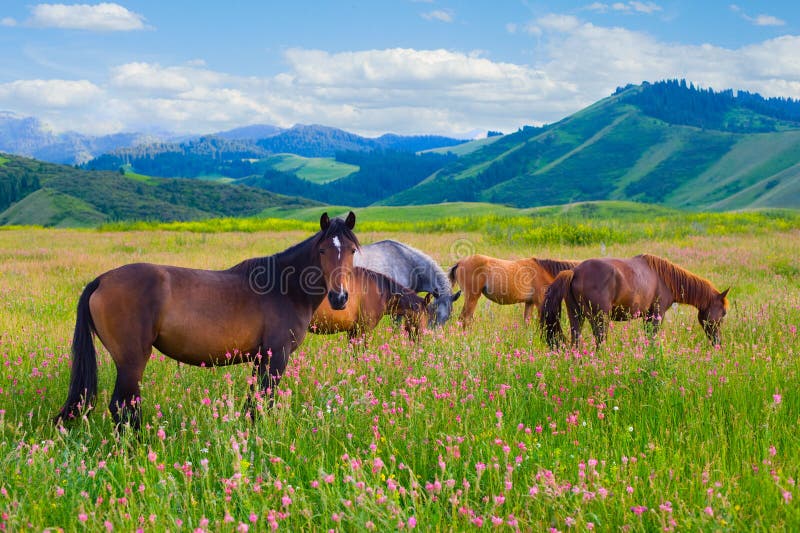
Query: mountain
[[667, 143], [249, 133], [28, 136], [236, 156], [35, 192]]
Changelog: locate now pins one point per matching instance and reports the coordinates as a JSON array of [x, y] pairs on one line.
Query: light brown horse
[[372, 295], [504, 282], [621, 289], [258, 310]]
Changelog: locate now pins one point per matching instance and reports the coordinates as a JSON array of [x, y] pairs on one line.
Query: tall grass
[[479, 428]]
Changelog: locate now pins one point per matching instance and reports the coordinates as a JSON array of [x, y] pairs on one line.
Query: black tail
[[551, 308], [452, 274], [83, 379]]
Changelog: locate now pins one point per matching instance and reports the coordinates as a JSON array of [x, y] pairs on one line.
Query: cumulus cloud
[[8, 21], [442, 15], [50, 94], [98, 17]]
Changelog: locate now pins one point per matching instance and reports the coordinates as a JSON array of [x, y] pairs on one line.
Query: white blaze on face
[[338, 244]]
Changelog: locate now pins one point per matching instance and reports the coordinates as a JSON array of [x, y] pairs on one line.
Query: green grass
[[463, 428], [574, 224], [467, 147], [313, 169], [140, 177], [3, 160]]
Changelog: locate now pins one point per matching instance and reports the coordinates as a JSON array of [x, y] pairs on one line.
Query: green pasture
[[484, 428]]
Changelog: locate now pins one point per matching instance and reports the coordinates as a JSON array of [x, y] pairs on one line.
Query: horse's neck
[[689, 291], [291, 267]]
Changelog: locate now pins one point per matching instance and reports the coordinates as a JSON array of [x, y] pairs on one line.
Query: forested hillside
[[238, 156], [380, 174], [34, 192], [668, 143]]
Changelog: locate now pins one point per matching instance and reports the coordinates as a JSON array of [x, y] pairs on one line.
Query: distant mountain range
[[28, 136], [666, 143]]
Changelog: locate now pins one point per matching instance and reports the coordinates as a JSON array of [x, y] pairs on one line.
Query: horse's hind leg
[[125, 405], [470, 302], [575, 323], [599, 322]]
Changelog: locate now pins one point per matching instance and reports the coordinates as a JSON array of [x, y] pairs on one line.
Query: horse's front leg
[[652, 322], [268, 368], [526, 314]]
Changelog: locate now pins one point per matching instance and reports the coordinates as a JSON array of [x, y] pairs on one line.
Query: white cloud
[[645, 7], [8, 21], [562, 23], [768, 20], [597, 6], [758, 20], [98, 17], [405, 90], [49, 94], [442, 15]]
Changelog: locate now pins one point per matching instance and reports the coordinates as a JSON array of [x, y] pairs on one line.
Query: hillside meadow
[[484, 428]]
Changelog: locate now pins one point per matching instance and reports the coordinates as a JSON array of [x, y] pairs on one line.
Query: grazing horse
[[622, 289], [258, 310], [372, 295], [504, 282], [413, 269]]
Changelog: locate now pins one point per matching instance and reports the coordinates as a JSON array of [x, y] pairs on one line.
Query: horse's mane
[[442, 280], [686, 287], [337, 227], [554, 266], [385, 283]]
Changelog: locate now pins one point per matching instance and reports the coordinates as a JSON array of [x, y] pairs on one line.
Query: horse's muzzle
[[338, 300]]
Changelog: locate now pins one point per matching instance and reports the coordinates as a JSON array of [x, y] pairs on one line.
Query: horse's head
[[413, 310], [441, 308], [711, 316], [336, 246]]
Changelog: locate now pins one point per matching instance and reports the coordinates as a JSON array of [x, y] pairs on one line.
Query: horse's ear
[[428, 298], [724, 293], [455, 296], [350, 221], [324, 221]]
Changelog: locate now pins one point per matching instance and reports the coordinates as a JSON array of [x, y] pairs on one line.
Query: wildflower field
[[479, 429]]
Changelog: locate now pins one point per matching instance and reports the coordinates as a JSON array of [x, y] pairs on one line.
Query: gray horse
[[413, 269]]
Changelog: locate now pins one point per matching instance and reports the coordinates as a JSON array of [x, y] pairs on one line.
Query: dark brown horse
[[621, 289], [504, 282], [372, 295], [258, 310]]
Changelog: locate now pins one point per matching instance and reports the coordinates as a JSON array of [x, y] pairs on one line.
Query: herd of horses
[[260, 310]]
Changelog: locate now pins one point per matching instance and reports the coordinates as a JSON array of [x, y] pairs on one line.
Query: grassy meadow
[[484, 428]]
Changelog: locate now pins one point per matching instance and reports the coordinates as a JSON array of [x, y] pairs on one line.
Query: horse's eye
[[353, 250], [322, 252]]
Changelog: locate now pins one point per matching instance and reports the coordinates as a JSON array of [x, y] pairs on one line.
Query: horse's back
[[629, 284]]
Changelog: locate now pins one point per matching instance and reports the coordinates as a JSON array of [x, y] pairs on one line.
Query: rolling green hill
[[313, 169], [617, 149], [37, 193]]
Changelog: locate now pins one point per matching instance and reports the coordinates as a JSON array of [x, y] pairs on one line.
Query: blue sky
[[371, 67]]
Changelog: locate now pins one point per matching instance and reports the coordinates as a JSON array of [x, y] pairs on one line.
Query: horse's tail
[[551, 308], [452, 274], [83, 378]]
